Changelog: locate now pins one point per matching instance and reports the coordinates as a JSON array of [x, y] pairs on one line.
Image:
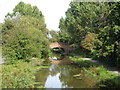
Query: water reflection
[[62, 76]]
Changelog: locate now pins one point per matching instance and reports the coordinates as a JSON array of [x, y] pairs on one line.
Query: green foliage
[[88, 41], [20, 75], [102, 45], [26, 40], [105, 78], [63, 34], [82, 62], [23, 9], [55, 36], [94, 26], [24, 34], [8, 25], [106, 45], [81, 52], [82, 17]]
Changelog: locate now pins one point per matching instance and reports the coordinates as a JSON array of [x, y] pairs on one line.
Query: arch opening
[[58, 50]]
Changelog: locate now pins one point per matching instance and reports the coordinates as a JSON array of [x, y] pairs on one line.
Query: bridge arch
[[65, 47]]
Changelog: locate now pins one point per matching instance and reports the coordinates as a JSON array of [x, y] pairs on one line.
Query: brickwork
[[67, 48]]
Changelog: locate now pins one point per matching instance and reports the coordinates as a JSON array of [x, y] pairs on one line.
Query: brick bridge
[[66, 47]]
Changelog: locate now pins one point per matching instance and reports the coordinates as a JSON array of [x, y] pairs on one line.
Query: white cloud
[[53, 10]]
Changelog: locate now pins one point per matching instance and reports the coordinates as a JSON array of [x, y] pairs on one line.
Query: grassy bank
[[105, 78], [21, 74]]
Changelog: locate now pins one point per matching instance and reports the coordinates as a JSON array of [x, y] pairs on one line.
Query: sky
[[52, 10]]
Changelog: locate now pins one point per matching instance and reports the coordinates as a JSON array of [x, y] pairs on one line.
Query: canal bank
[[76, 72], [65, 76], [67, 72], [105, 77]]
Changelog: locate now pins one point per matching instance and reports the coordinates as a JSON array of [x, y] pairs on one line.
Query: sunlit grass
[[105, 78]]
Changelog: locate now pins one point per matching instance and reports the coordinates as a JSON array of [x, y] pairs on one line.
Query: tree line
[[94, 26], [91, 25]]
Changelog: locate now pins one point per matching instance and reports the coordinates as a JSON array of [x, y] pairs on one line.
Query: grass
[[20, 75], [82, 62], [105, 78]]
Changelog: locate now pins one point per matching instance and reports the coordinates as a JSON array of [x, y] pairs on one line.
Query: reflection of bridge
[[65, 47]]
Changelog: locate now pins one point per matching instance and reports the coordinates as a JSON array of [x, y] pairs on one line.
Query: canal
[[63, 73]]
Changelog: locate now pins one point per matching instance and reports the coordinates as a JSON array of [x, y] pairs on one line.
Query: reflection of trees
[[54, 69], [66, 76], [68, 80], [41, 77]]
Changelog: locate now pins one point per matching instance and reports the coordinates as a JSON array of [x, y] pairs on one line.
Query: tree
[[108, 39], [27, 10], [24, 40], [83, 17], [54, 35], [63, 34], [0, 33], [94, 26], [23, 9], [25, 34]]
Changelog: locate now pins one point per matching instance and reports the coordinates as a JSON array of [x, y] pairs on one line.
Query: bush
[[20, 75], [24, 42]]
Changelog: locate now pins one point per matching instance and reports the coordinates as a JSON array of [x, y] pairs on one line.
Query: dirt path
[[113, 69]]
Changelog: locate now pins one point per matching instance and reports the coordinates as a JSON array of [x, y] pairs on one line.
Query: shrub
[[24, 42], [20, 75]]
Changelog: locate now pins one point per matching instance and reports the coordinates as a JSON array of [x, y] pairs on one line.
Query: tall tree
[[24, 40], [55, 36], [83, 17], [26, 10], [23, 9], [63, 34], [109, 37], [96, 22], [25, 34]]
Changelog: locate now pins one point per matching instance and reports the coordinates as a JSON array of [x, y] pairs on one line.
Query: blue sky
[[53, 10]]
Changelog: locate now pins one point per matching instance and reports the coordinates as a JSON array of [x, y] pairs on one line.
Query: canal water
[[64, 74]]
